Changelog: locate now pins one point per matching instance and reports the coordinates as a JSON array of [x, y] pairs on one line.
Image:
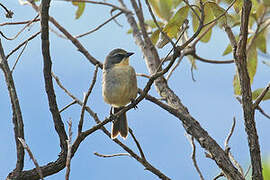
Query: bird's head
[[117, 57]]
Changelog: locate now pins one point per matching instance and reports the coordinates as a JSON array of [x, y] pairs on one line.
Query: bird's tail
[[119, 126]]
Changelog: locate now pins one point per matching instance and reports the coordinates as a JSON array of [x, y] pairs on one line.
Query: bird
[[119, 87]]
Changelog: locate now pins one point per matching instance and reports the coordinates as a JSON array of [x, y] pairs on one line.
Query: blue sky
[[210, 101]]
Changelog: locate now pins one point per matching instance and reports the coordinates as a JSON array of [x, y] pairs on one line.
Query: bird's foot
[[133, 101]]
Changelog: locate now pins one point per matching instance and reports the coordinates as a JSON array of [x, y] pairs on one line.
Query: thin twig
[[193, 156], [18, 23], [226, 143], [143, 75], [100, 26], [219, 176], [261, 96], [211, 61], [100, 3], [25, 146], [111, 155], [67, 106], [75, 41], [249, 167], [19, 57], [156, 23], [85, 100], [227, 148], [175, 66], [28, 24], [263, 113], [137, 144], [69, 146], [9, 13], [204, 33], [224, 13], [20, 45], [193, 10]]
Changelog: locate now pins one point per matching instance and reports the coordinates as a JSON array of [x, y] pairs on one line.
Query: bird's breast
[[119, 85]]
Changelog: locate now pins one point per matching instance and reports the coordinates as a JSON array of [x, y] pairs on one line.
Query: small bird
[[119, 87]]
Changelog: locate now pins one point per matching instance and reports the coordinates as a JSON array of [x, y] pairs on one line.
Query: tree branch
[[174, 104], [85, 100], [241, 64], [261, 96], [16, 112], [47, 68]]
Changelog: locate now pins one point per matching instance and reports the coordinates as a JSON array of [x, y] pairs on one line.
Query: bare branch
[[111, 155], [69, 147], [70, 37], [227, 148], [143, 75], [226, 144], [47, 68], [67, 106], [19, 57], [100, 3], [219, 176], [27, 25], [193, 156], [9, 13], [18, 23], [23, 43], [211, 61], [137, 144], [85, 100], [100, 26], [232, 39], [240, 55], [25, 146], [17, 115], [263, 113], [261, 96]]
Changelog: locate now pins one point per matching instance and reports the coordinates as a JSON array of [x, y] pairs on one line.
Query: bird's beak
[[129, 54]]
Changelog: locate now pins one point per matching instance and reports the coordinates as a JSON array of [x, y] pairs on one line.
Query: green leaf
[[218, 11], [165, 7], [266, 2], [80, 9], [260, 41], [260, 10], [152, 24], [195, 23], [228, 50], [129, 31], [257, 92], [162, 8], [155, 36], [175, 23], [236, 85], [238, 5], [176, 3], [266, 169], [252, 60]]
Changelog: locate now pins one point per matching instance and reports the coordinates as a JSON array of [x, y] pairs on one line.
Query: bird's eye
[[119, 55]]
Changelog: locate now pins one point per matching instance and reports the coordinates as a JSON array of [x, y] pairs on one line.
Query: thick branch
[[241, 64], [175, 105], [58, 123], [16, 110]]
